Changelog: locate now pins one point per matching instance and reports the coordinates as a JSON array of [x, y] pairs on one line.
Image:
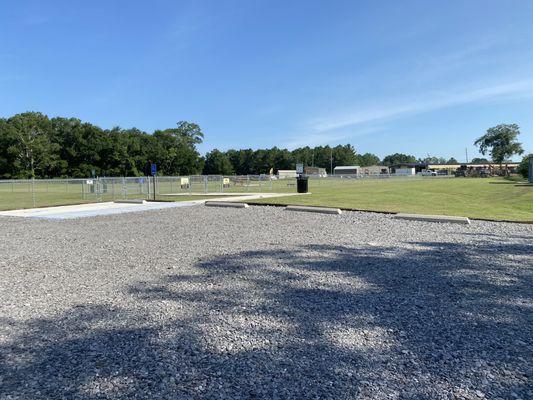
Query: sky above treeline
[[417, 77]]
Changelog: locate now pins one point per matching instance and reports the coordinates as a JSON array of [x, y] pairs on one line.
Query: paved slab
[[433, 218], [93, 209], [109, 208]]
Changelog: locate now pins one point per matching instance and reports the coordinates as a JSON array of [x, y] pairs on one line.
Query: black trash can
[[302, 184]]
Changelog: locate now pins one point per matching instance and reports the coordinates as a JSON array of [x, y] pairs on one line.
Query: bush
[[523, 167]]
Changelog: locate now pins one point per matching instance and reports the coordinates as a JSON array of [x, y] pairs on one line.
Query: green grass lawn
[[494, 198]]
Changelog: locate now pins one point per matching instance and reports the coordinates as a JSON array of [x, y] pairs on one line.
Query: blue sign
[[154, 169]]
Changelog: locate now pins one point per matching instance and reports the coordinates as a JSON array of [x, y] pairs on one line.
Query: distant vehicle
[[428, 172]]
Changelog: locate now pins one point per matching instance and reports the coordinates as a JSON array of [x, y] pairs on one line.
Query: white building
[[286, 173], [405, 171], [346, 170]]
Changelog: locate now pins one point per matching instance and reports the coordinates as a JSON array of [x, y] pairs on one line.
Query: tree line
[[34, 145]]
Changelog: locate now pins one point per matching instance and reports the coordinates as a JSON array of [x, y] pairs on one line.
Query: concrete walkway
[[109, 208]]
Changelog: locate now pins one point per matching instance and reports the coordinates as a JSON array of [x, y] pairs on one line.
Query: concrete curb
[[226, 204], [130, 201], [433, 218], [321, 210]]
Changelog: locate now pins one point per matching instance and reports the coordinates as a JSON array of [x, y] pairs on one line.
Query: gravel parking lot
[[263, 303]]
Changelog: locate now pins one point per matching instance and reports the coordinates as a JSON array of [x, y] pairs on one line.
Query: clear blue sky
[[421, 77]]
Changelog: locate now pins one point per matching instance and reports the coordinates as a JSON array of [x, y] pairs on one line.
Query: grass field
[[494, 198]]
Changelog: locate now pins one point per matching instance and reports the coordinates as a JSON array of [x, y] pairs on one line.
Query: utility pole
[[466, 151], [331, 161]]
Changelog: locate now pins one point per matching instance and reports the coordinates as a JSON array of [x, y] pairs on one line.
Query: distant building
[[287, 173], [315, 171], [451, 168], [405, 171], [346, 170], [374, 170]]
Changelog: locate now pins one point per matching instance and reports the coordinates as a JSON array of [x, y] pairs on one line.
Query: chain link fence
[[28, 193]]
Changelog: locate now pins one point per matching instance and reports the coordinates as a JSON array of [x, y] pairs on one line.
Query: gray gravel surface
[[263, 303]]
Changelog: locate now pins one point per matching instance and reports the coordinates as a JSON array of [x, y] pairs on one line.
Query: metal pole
[[33, 190], [205, 183]]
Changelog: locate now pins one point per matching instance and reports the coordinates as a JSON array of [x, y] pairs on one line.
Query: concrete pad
[[433, 218], [109, 208], [130, 201], [226, 204], [321, 210], [91, 210]]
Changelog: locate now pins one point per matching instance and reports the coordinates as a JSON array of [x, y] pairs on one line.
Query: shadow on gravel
[[317, 322]]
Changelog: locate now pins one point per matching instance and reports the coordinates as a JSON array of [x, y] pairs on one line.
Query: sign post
[[153, 169]]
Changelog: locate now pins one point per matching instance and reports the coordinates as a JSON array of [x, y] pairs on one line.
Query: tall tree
[[399, 158], [217, 163], [523, 167], [478, 160], [500, 142], [367, 159], [37, 154]]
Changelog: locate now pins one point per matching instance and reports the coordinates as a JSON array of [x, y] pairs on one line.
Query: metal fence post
[[33, 190], [82, 190], [205, 183]]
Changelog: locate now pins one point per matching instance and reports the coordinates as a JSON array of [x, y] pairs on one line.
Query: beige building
[[315, 171], [374, 170]]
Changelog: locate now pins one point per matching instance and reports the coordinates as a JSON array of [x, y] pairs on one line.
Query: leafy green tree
[[176, 150], [500, 142], [399, 158], [478, 160], [452, 161], [36, 154], [217, 163], [433, 160], [344, 155], [523, 167], [367, 159]]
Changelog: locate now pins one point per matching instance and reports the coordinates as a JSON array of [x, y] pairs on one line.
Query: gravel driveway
[[263, 303]]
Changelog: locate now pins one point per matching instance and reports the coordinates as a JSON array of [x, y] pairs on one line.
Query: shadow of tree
[[426, 321]]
